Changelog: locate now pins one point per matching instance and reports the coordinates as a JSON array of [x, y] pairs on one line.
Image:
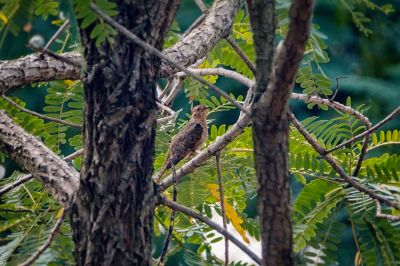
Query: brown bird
[[188, 140]]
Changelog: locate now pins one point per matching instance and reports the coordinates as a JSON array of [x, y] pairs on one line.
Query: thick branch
[[35, 68], [38, 67], [28, 177], [201, 40], [152, 50], [217, 227], [58, 177]]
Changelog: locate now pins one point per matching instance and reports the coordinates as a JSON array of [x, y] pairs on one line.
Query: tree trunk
[[271, 124], [112, 217]]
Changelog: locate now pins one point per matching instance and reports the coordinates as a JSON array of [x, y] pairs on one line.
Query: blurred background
[[368, 67]]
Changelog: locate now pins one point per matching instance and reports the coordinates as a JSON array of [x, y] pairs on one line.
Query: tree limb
[[217, 227], [58, 177], [28, 177], [38, 67], [348, 179], [201, 40]]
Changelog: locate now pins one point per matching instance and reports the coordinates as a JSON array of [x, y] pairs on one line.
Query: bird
[[188, 140]]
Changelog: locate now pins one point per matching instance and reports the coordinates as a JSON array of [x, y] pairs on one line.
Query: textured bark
[[194, 46], [36, 67], [271, 125], [59, 178], [202, 39], [113, 215]]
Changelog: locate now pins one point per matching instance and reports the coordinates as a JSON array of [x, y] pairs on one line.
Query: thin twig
[[201, 5], [45, 117], [222, 202], [379, 214], [241, 54], [28, 177], [171, 218], [57, 34], [176, 86], [46, 245], [212, 224], [53, 54], [363, 151], [348, 179], [121, 29], [367, 132]]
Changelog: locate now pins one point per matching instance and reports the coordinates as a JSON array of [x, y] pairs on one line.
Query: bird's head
[[200, 112]]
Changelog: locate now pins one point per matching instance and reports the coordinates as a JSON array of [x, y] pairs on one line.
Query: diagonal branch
[[45, 117], [48, 242], [392, 115], [348, 179], [202, 39], [121, 29], [28, 177], [217, 227], [60, 179]]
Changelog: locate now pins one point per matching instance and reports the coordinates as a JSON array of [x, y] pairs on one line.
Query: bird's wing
[[185, 142]]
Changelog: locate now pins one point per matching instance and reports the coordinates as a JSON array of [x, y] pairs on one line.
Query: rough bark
[[113, 215], [59, 178], [37, 67], [271, 125], [194, 46]]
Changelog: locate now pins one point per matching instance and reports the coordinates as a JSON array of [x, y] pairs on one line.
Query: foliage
[[322, 209]]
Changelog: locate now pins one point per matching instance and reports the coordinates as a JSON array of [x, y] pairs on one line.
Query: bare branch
[[171, 218], [379, 214], [241, 54], [348, 179], [57, 176], [217, 227], [222, 202], [201, 5], [392, 115], [28, 177], [176, 87], [55, 55], [121, 29], [202, 39], [47, 244], [35, 68], [57, 34], [45, 117]]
